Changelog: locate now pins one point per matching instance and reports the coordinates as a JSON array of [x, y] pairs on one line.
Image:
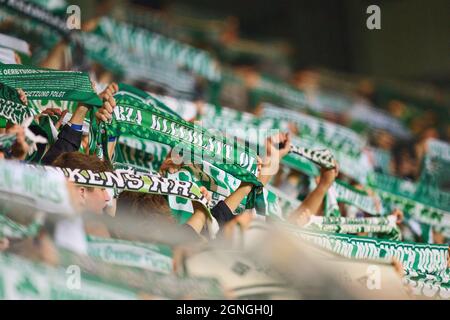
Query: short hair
[[78, 160], [144, 205]]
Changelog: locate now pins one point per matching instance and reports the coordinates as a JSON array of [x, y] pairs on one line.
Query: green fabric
[[153, 257], [149, 183], [12, 229], [414, 200], [23, 279], [11, 107], [37, 13], [359, 198], [147, 43], [40, 83], [132, 117], [429, 258], [385, 225]]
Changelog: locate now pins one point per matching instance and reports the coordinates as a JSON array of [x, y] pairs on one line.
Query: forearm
[[79, 115], [198, 219], [234, 199], [311, 203]]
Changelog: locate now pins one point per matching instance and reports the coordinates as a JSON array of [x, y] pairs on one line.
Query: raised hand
[[22, 96], [109, 103]]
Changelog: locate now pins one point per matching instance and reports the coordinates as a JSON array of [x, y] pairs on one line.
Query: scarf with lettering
[[151, 122], [428, 258], [40, 83], [379, 225]]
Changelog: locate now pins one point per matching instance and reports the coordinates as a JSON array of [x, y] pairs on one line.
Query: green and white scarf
[[221, 184], [132, 67], [132, 117], [125, 181], [248, 128], [359, 198], [428, 285], [12, 229], [11, 107], [429, 258], [40, 83], [218, 182], [147, 43], [38, 14], [346, 145], [27, 185], [324, 132], [22, 279], [140, 153], [409, 197], [145, 281], [156, 258], [385, 225], [268, 89]]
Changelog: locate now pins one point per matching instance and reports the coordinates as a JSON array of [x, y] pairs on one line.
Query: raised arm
[[277, 147], [313, 201]]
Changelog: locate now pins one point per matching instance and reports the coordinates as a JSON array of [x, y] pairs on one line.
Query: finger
[[56, 111], [109, 91], [112, 102], [63, 114], [100, 117], [48, 111], [107, 107], [204, 192], [115, 87], [107, 114], [110, 99]]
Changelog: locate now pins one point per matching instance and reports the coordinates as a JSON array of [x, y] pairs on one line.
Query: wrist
[[79, 114], [76, 127], [324, 186], [246, 186]]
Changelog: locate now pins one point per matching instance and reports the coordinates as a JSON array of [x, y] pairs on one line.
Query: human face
[[95, 200]]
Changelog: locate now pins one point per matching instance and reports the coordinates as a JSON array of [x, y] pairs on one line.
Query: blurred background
[[385, 94]]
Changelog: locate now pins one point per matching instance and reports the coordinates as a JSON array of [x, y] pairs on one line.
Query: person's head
[[146, 212], [144, 205], [89, 199]]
